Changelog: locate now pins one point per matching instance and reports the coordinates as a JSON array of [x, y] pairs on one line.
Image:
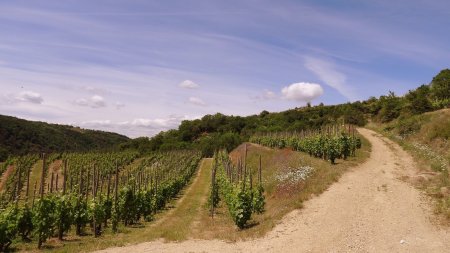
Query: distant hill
[[19, 136]]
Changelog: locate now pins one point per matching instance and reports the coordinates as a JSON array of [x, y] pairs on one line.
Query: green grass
[[35, 178]]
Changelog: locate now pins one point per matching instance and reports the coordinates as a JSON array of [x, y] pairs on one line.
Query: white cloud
[[6, 99], [94, 90], [188, 84], [25, 96], [158, 123], [98, 101], [266, 95], [269, 94], [196, 101], [137, 127], [30, 96], [305, 92], [81, 102], [97, 123], [326, 71], [95, 101], [119, 105]]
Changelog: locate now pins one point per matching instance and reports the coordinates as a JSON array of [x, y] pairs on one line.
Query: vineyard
[[88, 192], [328, 143], [92, 194], [235, 185]]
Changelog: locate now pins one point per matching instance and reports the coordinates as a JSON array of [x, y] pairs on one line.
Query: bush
[[44, 218], [440, 86], [126, 205], [64, 215], [8, 227], [259, 200], [25, 222], [97, 214], [80, 214], [407, 126]]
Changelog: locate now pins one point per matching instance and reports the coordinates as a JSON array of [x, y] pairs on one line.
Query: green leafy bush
[[8, 226], [44, 218]]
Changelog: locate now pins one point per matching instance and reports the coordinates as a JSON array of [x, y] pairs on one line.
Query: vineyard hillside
[[289, 178]]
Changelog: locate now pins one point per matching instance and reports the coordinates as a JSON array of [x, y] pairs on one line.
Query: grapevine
[[327, 143]]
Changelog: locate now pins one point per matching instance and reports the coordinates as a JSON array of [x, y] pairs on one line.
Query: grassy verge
[[281, 197]]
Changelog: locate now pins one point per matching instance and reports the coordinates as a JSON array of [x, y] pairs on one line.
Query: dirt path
[[5, 176], [177, 221], [368, 210]]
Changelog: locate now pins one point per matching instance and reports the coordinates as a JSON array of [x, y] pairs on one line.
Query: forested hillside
[[20, 137]]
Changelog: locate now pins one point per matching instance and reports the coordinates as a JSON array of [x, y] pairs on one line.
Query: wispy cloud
[[94, 90], [119, 105], [188, 84], [265, 95], [327, 72], [95, 101], [136, 127], [30, 96], [196, 101], [24, 96]]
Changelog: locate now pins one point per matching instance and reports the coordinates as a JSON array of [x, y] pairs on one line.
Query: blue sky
[[139, 67]]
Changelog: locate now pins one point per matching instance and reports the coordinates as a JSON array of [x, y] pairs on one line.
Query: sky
[[138, 67]]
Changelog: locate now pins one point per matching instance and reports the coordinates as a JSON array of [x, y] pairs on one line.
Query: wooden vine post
[[213, 188], [94, 225], [41, 189], [51, 183], [28, 185], [65, 177], [18, 187], [116, 185], [259, 172]]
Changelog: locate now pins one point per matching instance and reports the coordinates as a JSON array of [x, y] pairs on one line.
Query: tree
[[417, 100], [440, 86], [263, 114], [390, 107]]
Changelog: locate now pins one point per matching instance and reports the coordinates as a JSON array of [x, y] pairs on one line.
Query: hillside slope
[[19, 137], [368, 210]]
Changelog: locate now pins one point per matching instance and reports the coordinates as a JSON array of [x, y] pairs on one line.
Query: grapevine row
[[326, 144], [235, 185], [98, 193]]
